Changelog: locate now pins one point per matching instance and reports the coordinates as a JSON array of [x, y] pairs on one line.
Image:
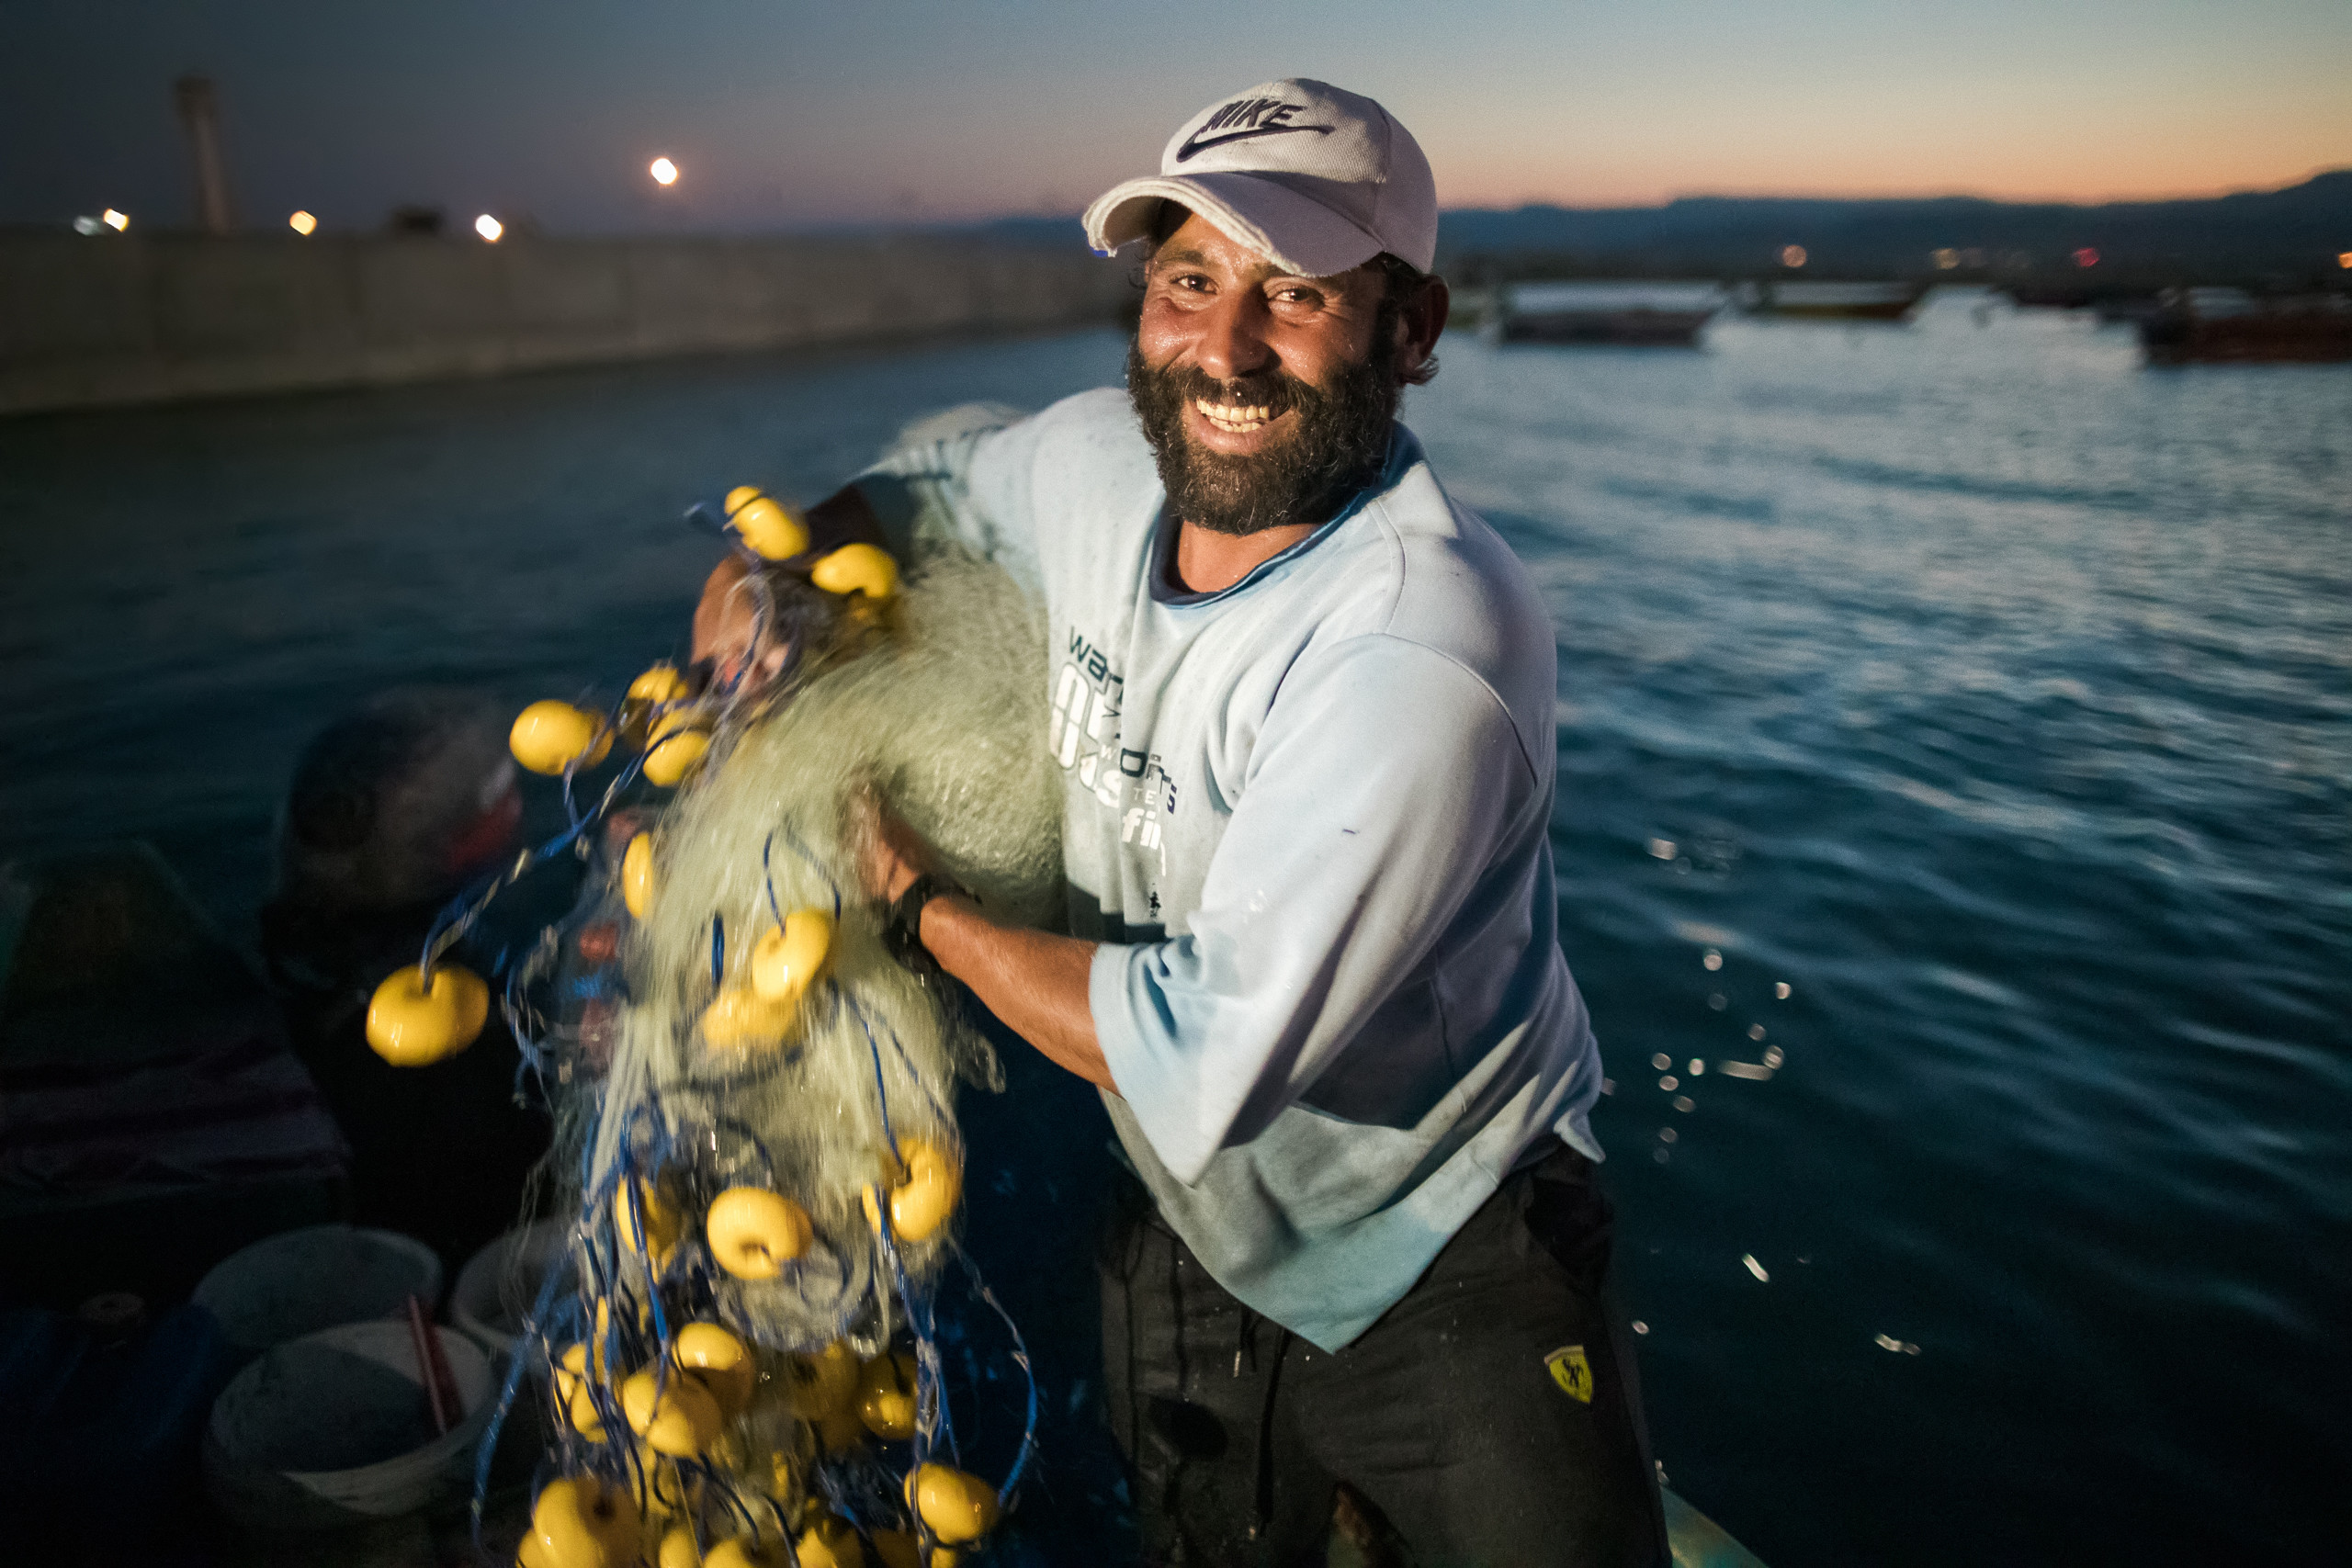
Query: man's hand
[[728, 630], [1036, 983], [895, 854]]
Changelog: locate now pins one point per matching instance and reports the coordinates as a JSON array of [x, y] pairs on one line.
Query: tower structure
[[200, 113]]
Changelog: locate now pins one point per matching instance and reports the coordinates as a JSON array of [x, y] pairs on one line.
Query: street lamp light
[[489, 228], [664, 171], [302, 223]]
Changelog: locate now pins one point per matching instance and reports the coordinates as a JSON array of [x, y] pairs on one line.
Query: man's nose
[[1232, 341]]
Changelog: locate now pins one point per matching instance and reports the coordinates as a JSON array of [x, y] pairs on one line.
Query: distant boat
[[2226, 326], [1627, 315], [1834, 301]]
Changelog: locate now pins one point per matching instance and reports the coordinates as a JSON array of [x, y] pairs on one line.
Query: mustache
[[1274, 391]]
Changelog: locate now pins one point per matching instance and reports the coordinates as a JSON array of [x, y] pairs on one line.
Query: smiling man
[[1303, 706]]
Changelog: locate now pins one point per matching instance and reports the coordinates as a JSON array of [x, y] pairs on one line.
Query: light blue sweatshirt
[[1307, 821]]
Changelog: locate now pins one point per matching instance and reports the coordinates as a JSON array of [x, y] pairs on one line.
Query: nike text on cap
[[1317, 179]]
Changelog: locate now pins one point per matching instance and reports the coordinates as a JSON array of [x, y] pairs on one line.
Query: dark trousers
[[1492, 1417]]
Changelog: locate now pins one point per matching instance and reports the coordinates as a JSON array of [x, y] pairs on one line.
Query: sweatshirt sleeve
[[962, 477], [1382, 786]]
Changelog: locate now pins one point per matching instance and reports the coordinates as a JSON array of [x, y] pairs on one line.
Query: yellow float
[[678, 1550], [925, 1193], [787, 959], [676, 1416], [766, 526], [858, 569], [570, 1378], [663, 683], [822, 1380], [753, 1233], [413, 1023], [636, 876], [678, 745], [720, 1361], [739, 1018], [830, 1543], [550, 736], [900, 1549], [886, 1396], [663, 1222], [955, 1505], [580, 1522]]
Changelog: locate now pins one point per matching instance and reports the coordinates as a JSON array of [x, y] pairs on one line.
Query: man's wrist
[[902, 927]]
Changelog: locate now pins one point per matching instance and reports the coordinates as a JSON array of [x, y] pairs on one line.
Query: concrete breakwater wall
[[93, 321]]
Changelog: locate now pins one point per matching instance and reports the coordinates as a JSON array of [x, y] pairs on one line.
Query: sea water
[[1987, 691]]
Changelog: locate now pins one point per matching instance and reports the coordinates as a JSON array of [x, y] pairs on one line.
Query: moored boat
[[2229, 326], [1622, 315], [1834, 301]]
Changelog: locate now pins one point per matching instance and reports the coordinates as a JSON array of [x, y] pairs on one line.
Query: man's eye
[[1305, 298]]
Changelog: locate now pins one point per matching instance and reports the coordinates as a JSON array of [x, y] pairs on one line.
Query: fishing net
[[754, 1096]]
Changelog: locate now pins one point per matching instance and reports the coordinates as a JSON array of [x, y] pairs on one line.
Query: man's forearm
[[1034, 982]]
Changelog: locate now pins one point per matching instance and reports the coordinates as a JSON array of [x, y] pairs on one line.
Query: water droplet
[[1780, 989], [1698, 1066], [1640, 1327], [1714, 961], [1755, 1268], [1900, 1346], [1664, 849], [1773, 1057], [1670, 1083], [1660, 1155], [1717, 1000], [1753, 1071], [1666, 1135], [1756, 1032], [1684, 1102], [1661, 1061], [1608, 1085]]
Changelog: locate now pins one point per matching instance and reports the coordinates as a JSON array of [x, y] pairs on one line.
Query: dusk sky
[[792, 115]]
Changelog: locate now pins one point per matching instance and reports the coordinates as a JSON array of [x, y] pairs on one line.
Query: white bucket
[[335, 1427], [300, 1281], [499, 1284]]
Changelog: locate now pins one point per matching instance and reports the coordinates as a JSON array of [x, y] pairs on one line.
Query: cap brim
[[1298, 233]]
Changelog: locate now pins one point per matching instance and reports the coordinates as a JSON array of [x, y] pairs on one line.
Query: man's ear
[[1422, 323]]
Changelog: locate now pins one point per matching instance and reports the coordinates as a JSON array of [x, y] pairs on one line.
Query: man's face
[[1266, 397]]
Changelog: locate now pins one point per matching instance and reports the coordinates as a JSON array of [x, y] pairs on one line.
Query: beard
[[1337, 445]]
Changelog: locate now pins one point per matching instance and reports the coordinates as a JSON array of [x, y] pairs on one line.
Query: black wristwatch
[[902, 922]]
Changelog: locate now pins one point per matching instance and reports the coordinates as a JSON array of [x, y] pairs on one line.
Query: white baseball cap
[[1320, 180]]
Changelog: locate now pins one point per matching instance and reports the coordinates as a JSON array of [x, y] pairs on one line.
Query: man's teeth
[[1227, 417]]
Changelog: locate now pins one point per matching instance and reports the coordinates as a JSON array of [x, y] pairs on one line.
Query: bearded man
[[1304, 705]]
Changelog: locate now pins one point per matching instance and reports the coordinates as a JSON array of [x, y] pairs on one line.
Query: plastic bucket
[[499, 1284], [337, 1428], [304, 1281]]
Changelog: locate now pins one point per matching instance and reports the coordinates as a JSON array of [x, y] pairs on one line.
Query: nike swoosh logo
[[1201, 144]]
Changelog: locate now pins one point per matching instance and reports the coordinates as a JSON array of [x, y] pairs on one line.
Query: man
[[1304, 706]]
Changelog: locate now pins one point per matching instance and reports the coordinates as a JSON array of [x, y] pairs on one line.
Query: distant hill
[[2288, 237]]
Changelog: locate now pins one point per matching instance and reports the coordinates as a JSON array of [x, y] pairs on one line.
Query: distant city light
[[302, 223], [117, 221], [1947, 259], [664, 171], [2087, 257], [1792, 255], [489, 228], [2343, 259], [86, 225]]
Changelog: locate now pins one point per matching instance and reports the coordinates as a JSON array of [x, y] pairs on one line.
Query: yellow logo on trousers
[[1572, 1371]]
